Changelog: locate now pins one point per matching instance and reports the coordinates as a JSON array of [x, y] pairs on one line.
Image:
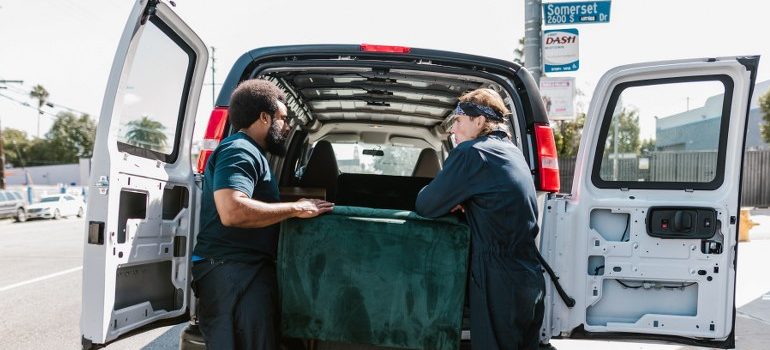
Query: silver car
[[13, 205]]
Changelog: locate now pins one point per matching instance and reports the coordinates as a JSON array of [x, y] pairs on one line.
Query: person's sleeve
[[236, 170], [451, 186]]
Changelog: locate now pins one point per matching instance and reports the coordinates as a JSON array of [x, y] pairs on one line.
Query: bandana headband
[[474, 110]]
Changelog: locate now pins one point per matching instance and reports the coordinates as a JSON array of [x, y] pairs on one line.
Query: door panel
[[136, 255], [646, 242]]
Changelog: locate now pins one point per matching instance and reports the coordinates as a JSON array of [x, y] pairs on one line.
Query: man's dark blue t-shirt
[[237, 163]]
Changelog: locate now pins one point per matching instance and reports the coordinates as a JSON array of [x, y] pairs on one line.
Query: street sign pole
[[532, 38]]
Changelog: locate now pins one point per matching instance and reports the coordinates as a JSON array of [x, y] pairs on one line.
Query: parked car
[[642, 255], [56, 206], [13, 205]]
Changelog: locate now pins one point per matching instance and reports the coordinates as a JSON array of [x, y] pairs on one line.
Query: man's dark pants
[[237, 304]]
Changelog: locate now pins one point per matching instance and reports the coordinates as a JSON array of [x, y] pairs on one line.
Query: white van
[[644, 246]]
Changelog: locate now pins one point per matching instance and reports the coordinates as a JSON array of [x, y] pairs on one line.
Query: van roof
[[344, 83]]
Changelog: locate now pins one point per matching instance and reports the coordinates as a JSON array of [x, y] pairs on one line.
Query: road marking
[[42, 278]]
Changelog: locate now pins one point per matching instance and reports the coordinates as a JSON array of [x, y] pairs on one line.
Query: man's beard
[[276, 140]]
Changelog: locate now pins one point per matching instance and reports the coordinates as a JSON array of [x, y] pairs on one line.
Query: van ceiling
[[378, 96]]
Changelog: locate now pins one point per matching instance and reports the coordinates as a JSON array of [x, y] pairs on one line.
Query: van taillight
[[215, 130], [547, 158], [384, 48]]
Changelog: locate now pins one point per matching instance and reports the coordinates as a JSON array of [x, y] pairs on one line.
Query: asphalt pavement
[[40, 292]]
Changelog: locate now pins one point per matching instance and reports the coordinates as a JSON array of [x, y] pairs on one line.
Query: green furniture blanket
[[374, 276]]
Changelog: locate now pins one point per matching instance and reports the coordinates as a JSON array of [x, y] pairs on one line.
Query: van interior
[[369, 137]]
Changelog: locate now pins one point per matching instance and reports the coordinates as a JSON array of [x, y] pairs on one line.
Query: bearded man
[[234, 273]]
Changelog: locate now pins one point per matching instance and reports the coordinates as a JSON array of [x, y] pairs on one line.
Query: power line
[[49, 103], [26, 104]]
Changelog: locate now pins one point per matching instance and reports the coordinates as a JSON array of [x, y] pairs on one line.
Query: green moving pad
[[374, 276]]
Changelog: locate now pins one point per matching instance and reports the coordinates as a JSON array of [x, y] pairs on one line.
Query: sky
[[68, 45]]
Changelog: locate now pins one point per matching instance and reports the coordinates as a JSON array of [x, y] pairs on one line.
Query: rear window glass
[[664, 134], [17, 195], [154, 94], [2, 196], [362, 158]]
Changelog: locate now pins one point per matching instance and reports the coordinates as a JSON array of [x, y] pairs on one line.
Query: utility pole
[[213, 70], [615, 135], [532, 38], [2, 157], [2, 142]]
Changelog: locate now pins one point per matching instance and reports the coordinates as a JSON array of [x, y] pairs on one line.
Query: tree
[[764, 104], [14, 142], [69, 139], [41, 95], [146, 133], [624, 127], [567, 135], [647, 147], [72, 137]]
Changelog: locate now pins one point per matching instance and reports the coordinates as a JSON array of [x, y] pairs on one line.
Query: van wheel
[[21, 215], [56, 214], [80, 212]]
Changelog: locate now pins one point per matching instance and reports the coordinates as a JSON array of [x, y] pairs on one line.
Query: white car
[[55, 207]]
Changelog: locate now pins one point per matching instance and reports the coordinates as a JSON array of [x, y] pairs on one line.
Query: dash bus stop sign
[[560, 50], [557, 13]]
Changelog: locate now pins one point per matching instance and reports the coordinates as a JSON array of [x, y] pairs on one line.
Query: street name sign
[[559, 13]]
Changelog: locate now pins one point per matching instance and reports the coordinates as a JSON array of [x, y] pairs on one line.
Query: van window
[[17, 195], [664, 134], [3, 197], [398, 160], [154, 94]]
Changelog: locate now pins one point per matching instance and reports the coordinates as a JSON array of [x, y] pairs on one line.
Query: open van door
[[646, 243], [142, 195]]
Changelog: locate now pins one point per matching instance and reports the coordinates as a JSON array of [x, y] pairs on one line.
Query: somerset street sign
[[557, 13]]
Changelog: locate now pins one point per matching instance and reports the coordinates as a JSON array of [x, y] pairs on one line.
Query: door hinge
[[152, 7], [149, 11], [103, 184]]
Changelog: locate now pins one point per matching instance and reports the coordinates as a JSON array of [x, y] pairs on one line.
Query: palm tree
[[146, 133], [41, 95]]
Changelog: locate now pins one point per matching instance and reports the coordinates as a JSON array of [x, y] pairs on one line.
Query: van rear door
[[647, 241], [142, 190]]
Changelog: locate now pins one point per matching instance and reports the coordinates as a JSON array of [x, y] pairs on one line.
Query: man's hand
[[236, 209], [309, 208]]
